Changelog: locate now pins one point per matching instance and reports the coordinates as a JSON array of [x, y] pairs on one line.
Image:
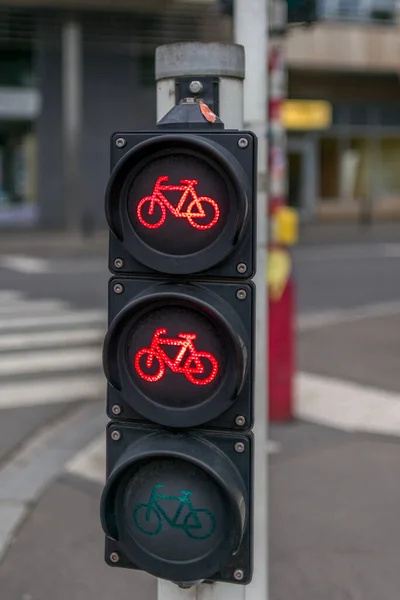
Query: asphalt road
[[334, 494], [346, 276], [327, 277]]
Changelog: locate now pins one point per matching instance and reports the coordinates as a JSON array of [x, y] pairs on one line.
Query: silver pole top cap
[[191, 59]]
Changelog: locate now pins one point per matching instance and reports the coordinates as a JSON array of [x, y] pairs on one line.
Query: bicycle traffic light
[[180, 204], [178, 353]]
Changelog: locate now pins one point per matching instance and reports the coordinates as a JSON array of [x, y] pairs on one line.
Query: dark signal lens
[[178, 204], [176, 355], [174, 510]]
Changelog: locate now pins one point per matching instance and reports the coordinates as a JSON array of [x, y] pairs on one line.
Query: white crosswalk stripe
[[51, 391], [9, 295], [38, 307], [38, 321], [49, 352], [53, 360], [14, 341]]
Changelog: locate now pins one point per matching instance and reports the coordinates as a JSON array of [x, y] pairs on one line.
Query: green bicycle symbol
[[199, 523]]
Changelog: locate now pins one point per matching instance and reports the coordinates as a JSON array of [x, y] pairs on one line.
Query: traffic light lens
[[175, 511], [178, 204], [176, 355]]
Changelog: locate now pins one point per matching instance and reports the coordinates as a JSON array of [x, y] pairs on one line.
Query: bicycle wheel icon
[[148, 366], [151, 212], [210, 368], [199, 524], [147, 519], [210, 215]]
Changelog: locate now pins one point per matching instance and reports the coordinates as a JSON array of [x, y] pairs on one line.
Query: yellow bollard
[[286, 226]]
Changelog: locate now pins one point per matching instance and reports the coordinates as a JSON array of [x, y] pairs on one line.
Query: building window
[[17, 172], [357, 168], [146, 69], [330, 169], [358, 10], [389, 168], [16, 69]]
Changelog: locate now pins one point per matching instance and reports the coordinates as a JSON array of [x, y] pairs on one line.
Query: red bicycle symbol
[[196, 364], [195, 213]]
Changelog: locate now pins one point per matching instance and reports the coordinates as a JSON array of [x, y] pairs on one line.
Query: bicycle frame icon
[[194, 367], [152, 210], [198, 524]]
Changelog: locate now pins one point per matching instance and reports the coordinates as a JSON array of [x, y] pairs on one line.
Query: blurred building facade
[[118, 43], [349, 168], [350, 58]]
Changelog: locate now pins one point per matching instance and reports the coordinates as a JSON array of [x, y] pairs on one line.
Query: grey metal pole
[[72, 122], [227, 62], [197, 60], [251, 30]]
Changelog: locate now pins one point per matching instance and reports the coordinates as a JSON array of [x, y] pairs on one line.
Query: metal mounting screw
[[241, 294], [238, 574], [241, 268], [116, 409], [114, 557], [118, 263], [196, 87], [239, 447], [115, 435], [118, 288], [240, 420], [243, 143], [120, 142]]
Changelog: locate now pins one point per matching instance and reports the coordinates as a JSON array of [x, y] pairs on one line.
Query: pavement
[[334, 470], [354, 233]]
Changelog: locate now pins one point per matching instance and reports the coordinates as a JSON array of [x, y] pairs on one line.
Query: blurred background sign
[[306, 114], [19, 103]]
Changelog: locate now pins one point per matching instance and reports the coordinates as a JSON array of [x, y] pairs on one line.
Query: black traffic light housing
[[145, 305], [178, 355]]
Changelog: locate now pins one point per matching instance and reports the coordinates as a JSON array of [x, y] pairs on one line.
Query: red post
[[281, 352]]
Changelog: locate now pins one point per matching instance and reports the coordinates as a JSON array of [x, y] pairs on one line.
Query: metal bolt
[[239, 447], [240, 420], [116, 409], [118, 263], [238, 574], [115, 435], [114, 557], [241, 268], [241, 294], [120, 142], [118, 288], [243, 143], [196, 87]]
